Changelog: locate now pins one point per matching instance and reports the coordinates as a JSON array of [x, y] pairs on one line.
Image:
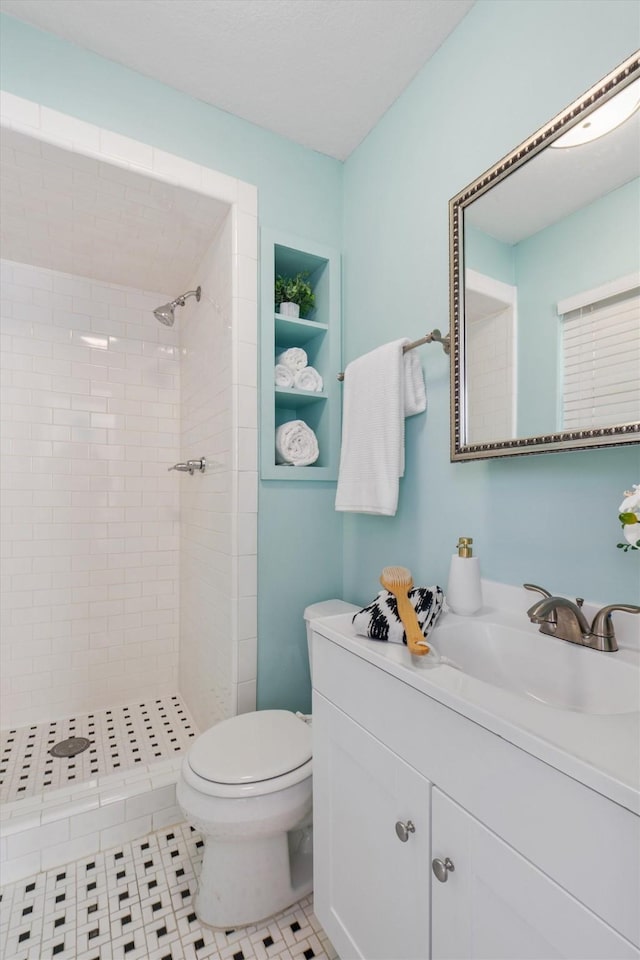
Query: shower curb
[[64, 825]]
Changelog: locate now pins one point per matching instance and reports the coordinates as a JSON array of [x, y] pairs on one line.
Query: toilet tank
[[325, 608]]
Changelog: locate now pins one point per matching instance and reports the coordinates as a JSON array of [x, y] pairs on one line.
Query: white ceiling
[[319, 72], [68, 212]]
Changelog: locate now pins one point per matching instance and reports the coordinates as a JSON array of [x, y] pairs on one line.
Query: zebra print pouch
[[380, 621]]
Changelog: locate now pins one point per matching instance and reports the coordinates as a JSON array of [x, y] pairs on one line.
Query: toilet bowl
[[246, 786]]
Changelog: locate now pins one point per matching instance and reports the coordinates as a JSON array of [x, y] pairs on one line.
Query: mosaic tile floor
[[121, 738], [135, 902]]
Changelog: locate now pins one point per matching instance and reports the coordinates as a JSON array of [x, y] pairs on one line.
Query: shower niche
[[319, 335]]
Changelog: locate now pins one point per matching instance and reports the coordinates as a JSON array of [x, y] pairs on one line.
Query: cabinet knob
[[442, 868], [404, 829]]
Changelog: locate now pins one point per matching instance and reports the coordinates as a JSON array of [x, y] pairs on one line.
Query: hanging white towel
[[295, 358], [296, 444], [283, 375], [415, 395], [381, 388], [308, 379]]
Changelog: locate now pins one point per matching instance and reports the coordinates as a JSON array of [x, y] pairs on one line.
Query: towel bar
[[434, 337]]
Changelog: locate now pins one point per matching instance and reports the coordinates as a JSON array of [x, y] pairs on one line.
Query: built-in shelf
[[290, 397], [289, 332], [320, 336]]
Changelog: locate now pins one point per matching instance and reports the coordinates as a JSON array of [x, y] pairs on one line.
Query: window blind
[[601, 363]]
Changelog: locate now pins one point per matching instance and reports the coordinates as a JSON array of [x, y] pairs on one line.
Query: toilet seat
[[251, 754]]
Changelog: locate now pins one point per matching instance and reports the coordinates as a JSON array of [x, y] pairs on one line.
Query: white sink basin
[[530, 664]]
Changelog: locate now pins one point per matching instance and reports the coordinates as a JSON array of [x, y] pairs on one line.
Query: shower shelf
[[319, 335]]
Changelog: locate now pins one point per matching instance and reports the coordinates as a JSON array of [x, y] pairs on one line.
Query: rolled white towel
[[308, 379], [296, 444], [283, 375], [295, 358]]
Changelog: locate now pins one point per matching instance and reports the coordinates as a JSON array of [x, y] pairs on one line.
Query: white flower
[[631, 503], [631, 533]]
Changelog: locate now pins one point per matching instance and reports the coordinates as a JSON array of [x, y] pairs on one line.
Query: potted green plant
[[294, 296]]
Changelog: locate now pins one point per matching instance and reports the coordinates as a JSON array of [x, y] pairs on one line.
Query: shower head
[[165, 313]]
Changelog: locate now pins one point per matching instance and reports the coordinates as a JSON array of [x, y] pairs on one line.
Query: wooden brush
[[398, 581]]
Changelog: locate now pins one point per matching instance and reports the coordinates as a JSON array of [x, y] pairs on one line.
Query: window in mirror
[[601, 361]]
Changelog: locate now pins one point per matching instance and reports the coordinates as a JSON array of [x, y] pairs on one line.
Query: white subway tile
[[247, 492], [247, 198], [247, 449], [166, 817], [246, 696], [18, 868], [177, 169], [246, 319], [109, 815], [36, 839], [24, 112], [219, 185], [81, 134], [70, 850], [122, 833], [247, 659], [125, 149], [112, 452], [247, 235], [152, 801], [247, 406], [247, 279], [247, 577]]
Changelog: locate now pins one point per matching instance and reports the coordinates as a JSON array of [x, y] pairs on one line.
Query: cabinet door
[[371, 888], [496, 905]]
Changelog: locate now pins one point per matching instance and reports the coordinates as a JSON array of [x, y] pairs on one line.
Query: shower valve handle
[[191, 466]]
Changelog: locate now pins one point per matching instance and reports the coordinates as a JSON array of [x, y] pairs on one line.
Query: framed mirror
[[545, 285]]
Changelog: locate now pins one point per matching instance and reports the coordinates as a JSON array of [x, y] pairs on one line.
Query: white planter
[[290, 309]]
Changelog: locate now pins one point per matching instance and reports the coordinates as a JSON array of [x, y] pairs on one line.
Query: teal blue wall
[[550, 519], [597, 244], [489, 256], [299, 192]]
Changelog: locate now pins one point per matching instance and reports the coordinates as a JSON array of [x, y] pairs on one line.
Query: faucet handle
[[602, 625], [551, 620], [532, 586]]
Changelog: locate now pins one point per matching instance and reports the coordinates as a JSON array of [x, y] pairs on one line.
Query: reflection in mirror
[[545, 285]]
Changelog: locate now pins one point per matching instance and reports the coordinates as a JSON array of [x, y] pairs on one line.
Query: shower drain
[[70, 747]]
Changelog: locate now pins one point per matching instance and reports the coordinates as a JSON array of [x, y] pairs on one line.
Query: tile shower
[[128, 592], [118, 738], [92, 420]]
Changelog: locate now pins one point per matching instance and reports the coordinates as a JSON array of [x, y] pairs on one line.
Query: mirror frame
[[546, 443]]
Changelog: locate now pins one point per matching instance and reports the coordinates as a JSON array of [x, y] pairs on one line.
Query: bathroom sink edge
[[600, 750]]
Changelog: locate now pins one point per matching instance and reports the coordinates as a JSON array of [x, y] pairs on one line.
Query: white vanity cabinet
[[496, 904], [543, 866], [366, 874]]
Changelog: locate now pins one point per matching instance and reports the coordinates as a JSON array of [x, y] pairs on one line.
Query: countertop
[[600, 750]]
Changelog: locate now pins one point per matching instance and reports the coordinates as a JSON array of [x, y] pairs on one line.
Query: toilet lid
[[251, 747]]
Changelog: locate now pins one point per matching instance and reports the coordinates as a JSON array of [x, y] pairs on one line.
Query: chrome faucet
[[190, 466], [562, 618]]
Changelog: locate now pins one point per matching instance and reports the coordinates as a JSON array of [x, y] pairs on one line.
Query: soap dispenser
[[464, 592]]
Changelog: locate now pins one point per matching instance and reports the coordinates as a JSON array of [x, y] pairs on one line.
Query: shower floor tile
[[121, 738], [136, 901]]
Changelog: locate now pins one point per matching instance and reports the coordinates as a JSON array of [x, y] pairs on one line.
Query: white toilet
[[245, 785]]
